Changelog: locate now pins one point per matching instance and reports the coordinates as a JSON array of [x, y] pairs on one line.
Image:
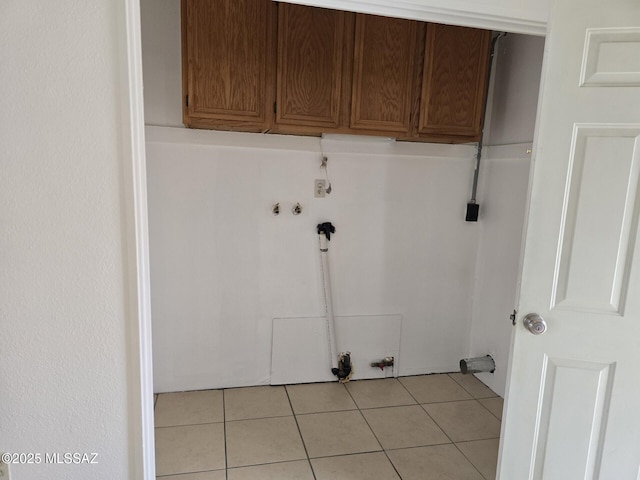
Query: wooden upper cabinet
[[228, 63], [310, 66], [455, 75], [383, 74], [262, 66]]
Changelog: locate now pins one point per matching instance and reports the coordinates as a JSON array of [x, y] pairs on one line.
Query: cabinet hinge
[[275, 107], [186, 100], [513, 316]]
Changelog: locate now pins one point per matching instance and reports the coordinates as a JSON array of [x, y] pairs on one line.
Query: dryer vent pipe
[[478, 365]]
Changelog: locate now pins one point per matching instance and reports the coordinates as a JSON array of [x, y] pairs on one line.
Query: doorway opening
[[223, 267]]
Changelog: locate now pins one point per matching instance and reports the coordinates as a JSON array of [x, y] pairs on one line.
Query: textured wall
[[62, 322]]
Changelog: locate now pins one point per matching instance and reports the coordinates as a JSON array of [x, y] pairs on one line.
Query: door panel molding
[[574, 399], [611, 58], [596, 244]]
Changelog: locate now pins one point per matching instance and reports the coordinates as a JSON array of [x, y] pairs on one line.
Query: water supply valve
[[385, 362], [345, 369], [327, 229]]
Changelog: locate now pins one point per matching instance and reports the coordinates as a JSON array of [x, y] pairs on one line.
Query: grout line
[[433, 419], [382, 406], [468, 391], [469, 460], [366, 452], [499, 419], [374, 433], [456, 446], [410, 394], [462, 386], [258, 418], [437, 424], [252, 465], [389, 406], [442, 429], [450, 401], [419, 446], [224, 421], [478, 440], [325, 411], [196, 391], [189, 473], [360, 411], [352, 454], [190, 424], [304, 445]]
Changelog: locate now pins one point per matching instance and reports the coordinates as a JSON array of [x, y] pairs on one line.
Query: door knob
[[535, 323]]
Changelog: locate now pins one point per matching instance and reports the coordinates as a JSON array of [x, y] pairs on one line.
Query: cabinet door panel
[[310, 72], [229, 62], [455, 72], [383, 73]]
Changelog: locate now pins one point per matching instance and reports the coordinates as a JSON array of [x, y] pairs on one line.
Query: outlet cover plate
[[319, 188]]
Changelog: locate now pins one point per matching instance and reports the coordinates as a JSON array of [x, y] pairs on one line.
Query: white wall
[[511, 120], [161, 43], [504, 181], [63, 358], [515, 86], [222, 266]]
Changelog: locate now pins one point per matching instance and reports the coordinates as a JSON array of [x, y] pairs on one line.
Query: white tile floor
[[428, 427]]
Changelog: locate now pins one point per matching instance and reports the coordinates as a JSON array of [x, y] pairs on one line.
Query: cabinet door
[[383, 74], [228, 63], [453, 88], [310, 70]]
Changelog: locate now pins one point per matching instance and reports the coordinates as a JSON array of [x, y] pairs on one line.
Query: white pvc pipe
[[328, 302]]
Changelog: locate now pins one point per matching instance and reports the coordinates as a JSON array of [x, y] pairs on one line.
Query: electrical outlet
[[319, 188], [5, 474]]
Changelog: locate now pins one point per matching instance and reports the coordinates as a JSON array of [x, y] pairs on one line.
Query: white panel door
[[573, 398]]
